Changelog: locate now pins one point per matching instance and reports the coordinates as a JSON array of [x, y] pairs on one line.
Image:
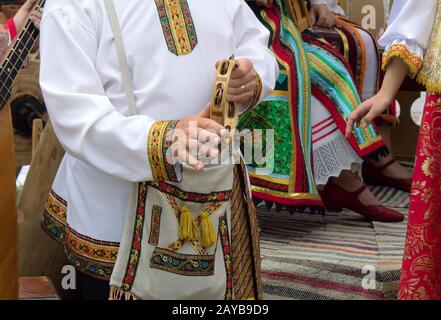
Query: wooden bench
[[37, 288]]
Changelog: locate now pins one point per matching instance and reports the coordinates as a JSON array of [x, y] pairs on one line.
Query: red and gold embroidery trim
[[135, 253], [103, 251], [177, 25], [191, 196], [401, 51], [226, 248], [158, 148], [56, 207], [155, 225]]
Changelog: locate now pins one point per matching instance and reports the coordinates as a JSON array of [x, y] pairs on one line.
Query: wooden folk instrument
[[8, 216], [298, 11], [224, 112], [16, 57]]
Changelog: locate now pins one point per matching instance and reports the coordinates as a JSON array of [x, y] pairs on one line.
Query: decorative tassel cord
[[189, 231], [117, 294]]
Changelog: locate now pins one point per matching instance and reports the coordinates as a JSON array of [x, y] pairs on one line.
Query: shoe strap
[[362, 189], [387, 165]]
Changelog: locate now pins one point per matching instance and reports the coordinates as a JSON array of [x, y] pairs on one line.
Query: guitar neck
[[17, 56]]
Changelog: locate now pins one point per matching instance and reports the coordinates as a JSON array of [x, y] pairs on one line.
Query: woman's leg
[[337, 168], [395, 170]]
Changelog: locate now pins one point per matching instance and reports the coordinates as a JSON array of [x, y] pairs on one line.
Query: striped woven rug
[[314, 257]]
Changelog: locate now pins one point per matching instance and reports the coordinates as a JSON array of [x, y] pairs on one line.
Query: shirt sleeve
[[331, 4], [407, 35], [86, 123], [252, 40]]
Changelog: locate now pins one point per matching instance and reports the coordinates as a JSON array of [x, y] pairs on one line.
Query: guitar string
[[32, 39]]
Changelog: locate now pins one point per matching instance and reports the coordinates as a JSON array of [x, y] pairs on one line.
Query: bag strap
[[128, 85], [127, 78]]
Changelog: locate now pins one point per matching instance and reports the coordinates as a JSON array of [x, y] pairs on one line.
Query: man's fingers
[[243, 98], [313, 19], [208, 136], [29, 4], [205, 113], [244, 67], [209, 124], [247, 87], [239, 82], [321, 21], [191, 160], [331, 22]]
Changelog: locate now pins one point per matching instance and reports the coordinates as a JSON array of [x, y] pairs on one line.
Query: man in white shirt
[[172, 48]]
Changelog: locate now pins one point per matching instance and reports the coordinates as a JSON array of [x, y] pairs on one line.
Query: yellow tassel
[[208, 235], [186, 225]]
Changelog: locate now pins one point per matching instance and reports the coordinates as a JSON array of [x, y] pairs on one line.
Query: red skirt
[[421, 274]]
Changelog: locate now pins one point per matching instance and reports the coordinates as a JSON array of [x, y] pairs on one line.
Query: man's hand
[[26, 11], [36, 17], [368, 111], [322, 16], [197, 136], [243, 83]]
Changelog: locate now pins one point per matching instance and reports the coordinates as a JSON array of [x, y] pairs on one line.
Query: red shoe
[[336, 197], [374, 176]]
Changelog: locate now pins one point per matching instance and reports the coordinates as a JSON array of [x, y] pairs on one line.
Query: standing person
[[192, 233], [9, 30], [314, 94], [412, 43]]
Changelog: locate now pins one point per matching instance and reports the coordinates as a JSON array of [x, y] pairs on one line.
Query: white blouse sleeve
[[252, 40], [408, 32], [86, 123], [332, 5]]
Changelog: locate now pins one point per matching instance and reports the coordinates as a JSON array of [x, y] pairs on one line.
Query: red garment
[[421, 274], [12, 28]]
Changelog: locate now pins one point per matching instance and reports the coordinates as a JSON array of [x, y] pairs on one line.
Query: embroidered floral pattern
[[99, 270], [91, 256], [159, 141], [182, 264], [401, 51], [90, 248], [421, 275], [135, 253], [191, 196], [53, 227], [177, 25], [226, 247], [56, 206], [155, 225]]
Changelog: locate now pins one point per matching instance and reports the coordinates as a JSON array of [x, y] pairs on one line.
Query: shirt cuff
[[159, 142], [413, 57]]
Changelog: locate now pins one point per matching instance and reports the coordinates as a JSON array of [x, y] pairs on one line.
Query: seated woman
[[360, 50], [303, 124], [9, 30]]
